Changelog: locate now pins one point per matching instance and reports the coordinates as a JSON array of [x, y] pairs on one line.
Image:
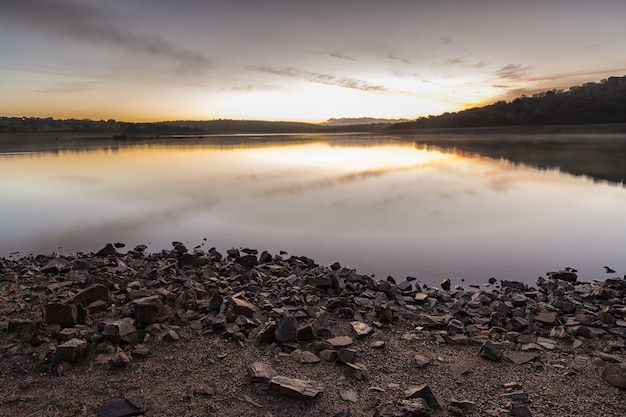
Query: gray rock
[[123, 408], [490, 351], [286, 329], [296, 388], [120, 330], [615, 374]]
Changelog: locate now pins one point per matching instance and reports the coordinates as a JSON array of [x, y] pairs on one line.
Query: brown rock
[[65, 315], [357, 371], [615, 374], [91, 294], [304, 356], [120, 330], [243, 307], [260, 372], [347, 355], [423, 391], [361, 329], [71, 350], [296, 388], [123, 408], [490, 351], [120, 359], [546, 318], [340, 341], [148, 309], [108, 250], [286, 329], [57, 266], [420, 360]]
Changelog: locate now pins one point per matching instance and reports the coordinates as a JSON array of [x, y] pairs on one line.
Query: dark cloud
[[96, 25], [341, 55], [512, 72], [320, 78]]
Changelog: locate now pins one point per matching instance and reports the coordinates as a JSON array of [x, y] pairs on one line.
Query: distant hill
[[351, 121], [590, 103]]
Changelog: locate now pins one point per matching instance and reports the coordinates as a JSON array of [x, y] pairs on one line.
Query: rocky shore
[[200, 333]]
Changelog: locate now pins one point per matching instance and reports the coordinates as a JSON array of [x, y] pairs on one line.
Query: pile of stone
[[104, 305]]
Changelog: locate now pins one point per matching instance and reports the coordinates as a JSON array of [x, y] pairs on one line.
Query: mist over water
[[385, 205]]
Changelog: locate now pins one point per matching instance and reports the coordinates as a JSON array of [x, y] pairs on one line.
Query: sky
[[150, 60]]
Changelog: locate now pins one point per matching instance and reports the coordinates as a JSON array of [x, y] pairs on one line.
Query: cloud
[[446, 41], [341, 55], [96, 25], [320, 78], [512, 71], [64, 89], [455, 61], [398, 58]]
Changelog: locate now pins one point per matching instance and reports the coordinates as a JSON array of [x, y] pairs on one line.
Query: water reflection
[[383, 205]]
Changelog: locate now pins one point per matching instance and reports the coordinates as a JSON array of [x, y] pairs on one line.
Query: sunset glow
[[147, 61]]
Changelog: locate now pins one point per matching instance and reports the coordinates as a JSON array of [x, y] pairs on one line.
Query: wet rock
[[296, 388], [615, 374], [123, 408], [490, 351], [423, 391], [65, 315]]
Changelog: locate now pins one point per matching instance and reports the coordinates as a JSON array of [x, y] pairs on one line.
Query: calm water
[[381, 204]]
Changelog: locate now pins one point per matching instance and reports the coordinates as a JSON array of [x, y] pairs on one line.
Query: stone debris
[[106, 307]]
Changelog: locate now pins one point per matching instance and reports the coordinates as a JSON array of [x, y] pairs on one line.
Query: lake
[[464, 206]]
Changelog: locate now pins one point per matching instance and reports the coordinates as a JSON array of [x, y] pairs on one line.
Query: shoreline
[[185, 332]]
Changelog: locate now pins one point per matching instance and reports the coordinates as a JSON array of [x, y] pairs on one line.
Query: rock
[[108, 250], [120, 359], [57, 266], [307, 332], [123, 408], [361, 329], [466, 406], [516, 396], [247, 261], [456, 339], [120, 330], [357, 371], [405, 408], [490, 351], [90, 294], [615, 374], [296, 388], [349, 395], [286, 329], [340, 341], [420, 360], [171, 336], [519, 358], [71, 350], [445, 284], [563, 275], [546, 343], [261, 372], [304, 356], [378, 344], [346, 355], [243, 307], [65, 315], [148, 309], [546, 318], [423, 391], [521, 411]]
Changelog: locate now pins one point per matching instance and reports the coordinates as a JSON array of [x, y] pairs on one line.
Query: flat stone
[[261, 372], [296, 388], [122, 408], [546, 318], [57, 266], [340, 341], [519, 358], [349, 395], [615, 374], [549, 344], [304, 356], [423, 391], [361, 329], [456, 339], [516, 396]]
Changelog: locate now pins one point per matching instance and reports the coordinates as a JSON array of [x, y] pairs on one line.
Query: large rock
[[120, 331], [90, 294], [490, 351], [148, 309], [286, 329], [296, 388], [71, 350], [615, 374], [65, 315]]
